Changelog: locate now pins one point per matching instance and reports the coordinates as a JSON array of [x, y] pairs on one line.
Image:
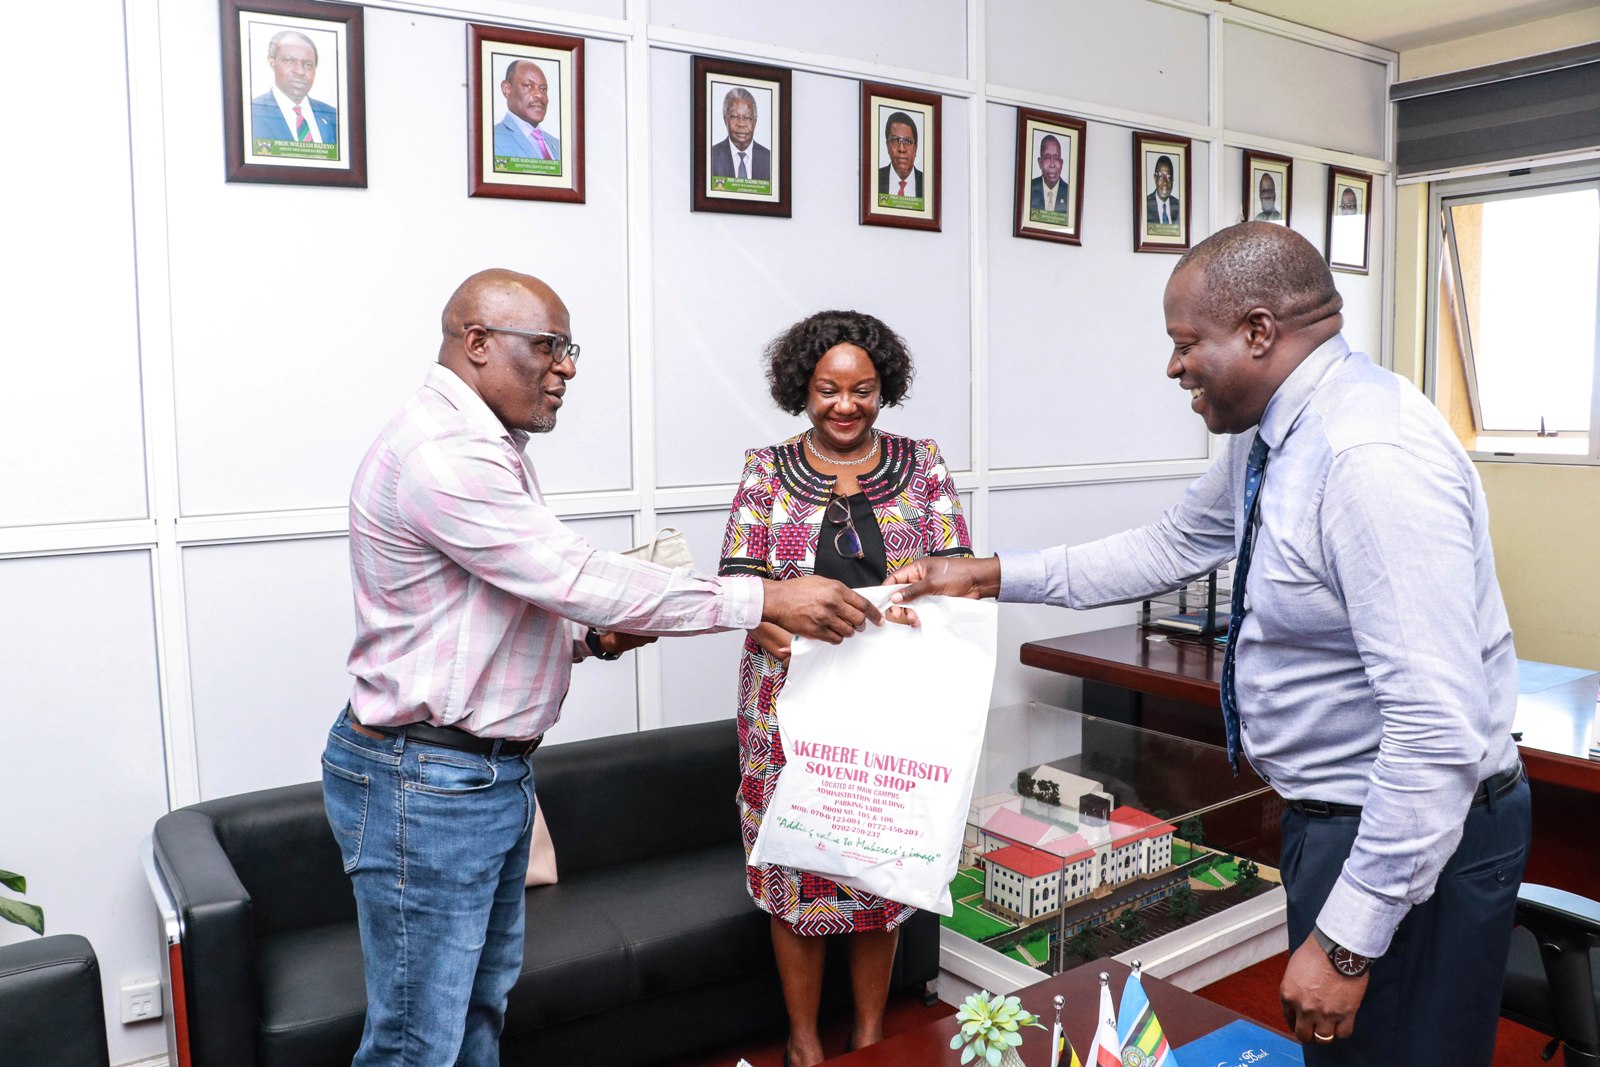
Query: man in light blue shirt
[[1375, 674]]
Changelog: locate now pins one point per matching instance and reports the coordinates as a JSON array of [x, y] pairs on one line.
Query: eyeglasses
[[845, 539], [558, 346], [902, 142]]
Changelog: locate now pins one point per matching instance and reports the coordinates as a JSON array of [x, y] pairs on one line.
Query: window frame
[[1502, 185]]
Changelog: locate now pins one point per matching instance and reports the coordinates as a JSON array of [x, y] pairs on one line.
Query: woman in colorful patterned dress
[[850, 502]]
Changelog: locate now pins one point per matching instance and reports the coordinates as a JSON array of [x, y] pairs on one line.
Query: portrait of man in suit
[[739, 155], [900, 176], [1161, 207], [1348, 204], [285, 112], [520, 134], [1049, 192], [1267, 200]]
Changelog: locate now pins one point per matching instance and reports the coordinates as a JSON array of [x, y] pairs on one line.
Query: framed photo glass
[[740, 138], [1349, 219], [525, 115], [1160, 192], [1267, 187], [900, 145], [292, 90], [1049, 176]]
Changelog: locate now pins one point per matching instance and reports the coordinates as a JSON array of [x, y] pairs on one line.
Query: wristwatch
[[1350, 964], [592, 639]]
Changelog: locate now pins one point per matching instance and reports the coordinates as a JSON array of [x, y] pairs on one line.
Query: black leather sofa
[[51, 1014], [647, 948]]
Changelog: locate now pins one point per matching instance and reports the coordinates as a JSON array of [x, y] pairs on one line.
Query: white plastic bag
[[882, 735]]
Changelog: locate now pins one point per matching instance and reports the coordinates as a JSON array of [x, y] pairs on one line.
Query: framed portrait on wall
[[293, 97], [740, 137], [1160, 192], [1049, 176], [900, 146], [524, 115], [1268, 187], [1349, 219]]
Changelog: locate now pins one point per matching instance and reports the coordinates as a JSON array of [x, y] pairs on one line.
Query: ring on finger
[[1324, 1038]]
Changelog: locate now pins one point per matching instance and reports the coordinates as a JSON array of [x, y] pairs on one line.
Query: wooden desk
[[1555, 709], [1184, 1017], [1173, 686]]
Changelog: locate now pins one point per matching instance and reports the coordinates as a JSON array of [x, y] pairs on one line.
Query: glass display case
[[1088, 838], [1199, 608]]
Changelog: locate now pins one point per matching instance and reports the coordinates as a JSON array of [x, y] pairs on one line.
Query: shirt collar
[[1284, 409], [287, 106], [522, 124], [459, 395]]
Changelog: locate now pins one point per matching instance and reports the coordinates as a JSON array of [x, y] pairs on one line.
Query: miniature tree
[[1080, 944], [1129, 925], [1049, 792], [1192, 830], [1182, 905], [1249, 876], [1025, 783]]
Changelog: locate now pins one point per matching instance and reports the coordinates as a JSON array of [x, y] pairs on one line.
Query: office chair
[[1550, 979]]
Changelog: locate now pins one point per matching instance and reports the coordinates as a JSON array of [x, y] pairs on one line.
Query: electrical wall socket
[[141, 1000]]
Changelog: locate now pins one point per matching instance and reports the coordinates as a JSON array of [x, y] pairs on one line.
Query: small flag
[[1139, 1033], [1062, 1054], [1105, 1052]]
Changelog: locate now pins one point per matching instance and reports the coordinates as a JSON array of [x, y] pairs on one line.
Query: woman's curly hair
[[793, 355]]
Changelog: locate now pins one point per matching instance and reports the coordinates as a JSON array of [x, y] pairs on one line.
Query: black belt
[[1494, 786], [452, 737]]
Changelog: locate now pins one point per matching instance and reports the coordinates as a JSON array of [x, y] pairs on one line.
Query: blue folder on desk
[[1241, 1043]]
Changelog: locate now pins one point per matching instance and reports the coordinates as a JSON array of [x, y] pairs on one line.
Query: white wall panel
[[727, 284], [71, 400], [930, 35], [609, 8], [1135, 56], [82, 759], [1277, 87], [604, 697], [1077, 338], [1039, 518], [270, 626], [700, 675], [274, 416]]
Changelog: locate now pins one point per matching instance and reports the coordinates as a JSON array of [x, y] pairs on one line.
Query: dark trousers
[[1434, 997]]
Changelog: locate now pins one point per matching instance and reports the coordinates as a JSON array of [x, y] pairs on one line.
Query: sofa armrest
[[217, 945], [50, 1007]]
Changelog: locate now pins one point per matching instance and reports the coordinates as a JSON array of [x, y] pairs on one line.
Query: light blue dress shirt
[[1375, 666]]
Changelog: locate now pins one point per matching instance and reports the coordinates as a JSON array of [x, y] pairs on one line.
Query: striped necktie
[[302, 128], [1254, 469]]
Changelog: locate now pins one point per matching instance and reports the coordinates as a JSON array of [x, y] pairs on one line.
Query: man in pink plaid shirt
[[472, 602]]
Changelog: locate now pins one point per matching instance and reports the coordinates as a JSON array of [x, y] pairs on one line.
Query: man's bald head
[[485, 326], [1257, 264]]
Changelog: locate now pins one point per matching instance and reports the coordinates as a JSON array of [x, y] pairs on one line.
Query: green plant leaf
[[13, 881], [955, 1042], [993, 1056], [28, 915], [1013, 1039], [967, 1054]]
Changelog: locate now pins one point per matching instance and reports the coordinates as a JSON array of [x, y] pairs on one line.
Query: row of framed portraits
[[294, 104]]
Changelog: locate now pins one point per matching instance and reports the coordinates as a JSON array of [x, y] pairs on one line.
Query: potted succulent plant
[[29, 915], [991, 1027]]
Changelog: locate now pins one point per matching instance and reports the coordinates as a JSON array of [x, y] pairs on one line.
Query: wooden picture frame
[[1349, 220], [730, 100], [524, 115], [1160, 214], [293, 93], [915, 117], [1268, 182], [1049, 142]]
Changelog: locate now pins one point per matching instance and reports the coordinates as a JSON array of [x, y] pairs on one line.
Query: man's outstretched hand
[[819, 608]]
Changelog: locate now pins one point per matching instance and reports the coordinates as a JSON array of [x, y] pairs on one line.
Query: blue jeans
[[436, 844]]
